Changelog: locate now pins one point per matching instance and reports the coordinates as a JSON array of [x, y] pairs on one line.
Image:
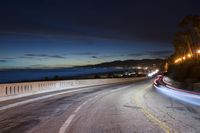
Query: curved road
[[121, 108]]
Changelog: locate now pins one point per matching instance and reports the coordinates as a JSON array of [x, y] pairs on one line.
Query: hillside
[[128, 63]]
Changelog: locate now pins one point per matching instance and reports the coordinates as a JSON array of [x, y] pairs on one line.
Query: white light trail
[[153, 73], [180, 95]]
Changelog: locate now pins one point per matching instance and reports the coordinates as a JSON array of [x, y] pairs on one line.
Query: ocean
[[7, 76]]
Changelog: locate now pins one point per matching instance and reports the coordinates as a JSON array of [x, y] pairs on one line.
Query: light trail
[[179, 95]]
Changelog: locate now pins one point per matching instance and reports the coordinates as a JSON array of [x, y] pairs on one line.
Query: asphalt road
[[126, 108]]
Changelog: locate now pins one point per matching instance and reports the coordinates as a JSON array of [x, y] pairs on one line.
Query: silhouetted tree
[[187, 39]]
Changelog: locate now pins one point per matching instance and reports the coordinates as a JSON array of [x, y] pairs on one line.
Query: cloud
[[94, 57], [151, 54], [3, 61], [25, 57], [42, 55], [102, 56], [57, 56], [86, 53], [135, 54], [107, 56], [6, 59]]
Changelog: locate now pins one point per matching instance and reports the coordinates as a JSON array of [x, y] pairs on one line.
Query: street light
[[178, 60], [185, 57], [189, 55], [198, 51]]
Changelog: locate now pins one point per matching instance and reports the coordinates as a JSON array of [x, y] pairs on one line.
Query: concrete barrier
[[46, 86]]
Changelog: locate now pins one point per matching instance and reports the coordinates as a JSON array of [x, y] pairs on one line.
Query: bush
[[187, 73]]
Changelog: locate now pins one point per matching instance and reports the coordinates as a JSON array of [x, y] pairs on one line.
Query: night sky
[[62, 33]]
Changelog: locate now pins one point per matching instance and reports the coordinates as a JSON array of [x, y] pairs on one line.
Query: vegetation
[[187, 40], [184, 64]]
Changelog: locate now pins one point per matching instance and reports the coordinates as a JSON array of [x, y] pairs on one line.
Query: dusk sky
[[62, 33]]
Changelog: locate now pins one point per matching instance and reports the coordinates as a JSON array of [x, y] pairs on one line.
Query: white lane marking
[[67, 123], [78, 108], [39, 98], [85, 102], [71, 117]]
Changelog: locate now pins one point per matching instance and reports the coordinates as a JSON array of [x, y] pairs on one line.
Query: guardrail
[[31, 87]]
